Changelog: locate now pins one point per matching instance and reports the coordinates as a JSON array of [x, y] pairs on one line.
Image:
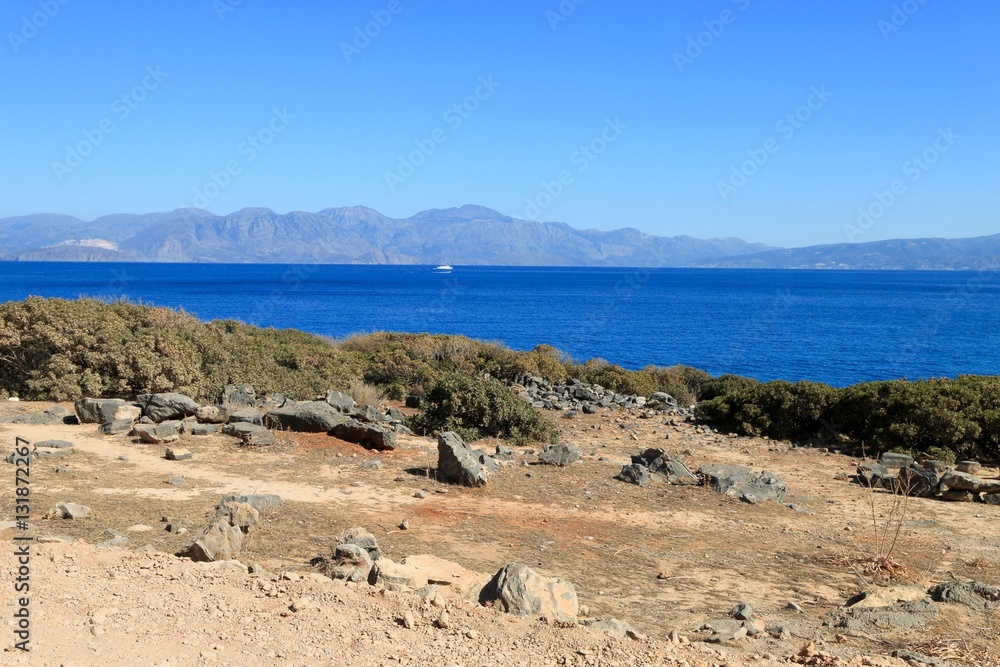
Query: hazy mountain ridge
[[979, 253], [349, 235]]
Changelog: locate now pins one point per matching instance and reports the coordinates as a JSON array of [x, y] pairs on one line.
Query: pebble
[[420, 494], [408, 619]]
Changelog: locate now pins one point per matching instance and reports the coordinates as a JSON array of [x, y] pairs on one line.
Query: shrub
[[477, 407]]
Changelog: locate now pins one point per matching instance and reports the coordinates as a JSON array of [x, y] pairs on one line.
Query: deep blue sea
[[838, 327]]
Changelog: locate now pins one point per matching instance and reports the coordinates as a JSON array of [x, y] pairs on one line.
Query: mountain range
[[467, 235]]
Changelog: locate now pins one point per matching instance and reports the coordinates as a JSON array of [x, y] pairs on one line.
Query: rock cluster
[[235, 517], [162, 418], [577, 396], [929, 479]]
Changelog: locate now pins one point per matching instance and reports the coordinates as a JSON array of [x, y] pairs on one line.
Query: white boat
[[443, 268]]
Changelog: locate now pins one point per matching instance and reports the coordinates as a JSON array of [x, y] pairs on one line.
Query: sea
[[838, 327]]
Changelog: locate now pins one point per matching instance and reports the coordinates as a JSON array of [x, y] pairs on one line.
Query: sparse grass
[[366, 394]]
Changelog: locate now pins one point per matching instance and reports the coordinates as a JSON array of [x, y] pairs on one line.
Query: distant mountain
[[910, 254], [467, 235]]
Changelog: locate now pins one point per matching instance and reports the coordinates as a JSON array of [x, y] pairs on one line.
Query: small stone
[[404, 524], [178, 454], [300, 604], [408, 619], [177, 481], [420, 494], [443, 621], [742, 612]]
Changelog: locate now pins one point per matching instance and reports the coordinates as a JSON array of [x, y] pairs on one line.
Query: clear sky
[[772, 121]]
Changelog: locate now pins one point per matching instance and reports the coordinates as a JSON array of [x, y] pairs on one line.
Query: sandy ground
[[663, 558]]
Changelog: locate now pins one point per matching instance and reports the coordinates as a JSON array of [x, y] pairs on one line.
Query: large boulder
[[518, 590], [166, 406], [239, 396], [370, 437], [213, 414], [560, 455], [308, 417], [742, 483], [339, 400], [916, 480], [216, 541], [104, 410], [457, 462]]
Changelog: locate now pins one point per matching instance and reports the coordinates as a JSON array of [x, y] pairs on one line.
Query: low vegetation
[[57, 349], [940, 418]]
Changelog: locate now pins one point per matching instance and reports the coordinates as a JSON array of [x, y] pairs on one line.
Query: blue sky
[[773, 121]]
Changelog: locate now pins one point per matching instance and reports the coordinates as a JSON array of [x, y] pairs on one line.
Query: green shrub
[[477, 407]]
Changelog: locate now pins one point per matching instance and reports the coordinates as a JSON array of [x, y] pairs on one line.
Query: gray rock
[[742, 612], [239, 396], [166, 406], [260, 502], [518, 590], [247, 416], [242, 516], [370, 437], [872, 474], [213, 414], [115, 427], [360, 537], [340, 401], [54, 444], [634, 473], [217, 541], [178, 454], [371, 464], [49, 453], [740, 482], [915, 480], [68, 511], [504, 453], [308, 417], [351, 563], [560, 455], [895, 460], [251, 435], [369, 414], [615, 627], [959, 481], [104, 410], [177, 481], [490, 464], [272, 401], [157, 434], [970, 593], [674, 471], [457, 463], [902, 615], [395, 415], [204, 429], [971, 467]]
